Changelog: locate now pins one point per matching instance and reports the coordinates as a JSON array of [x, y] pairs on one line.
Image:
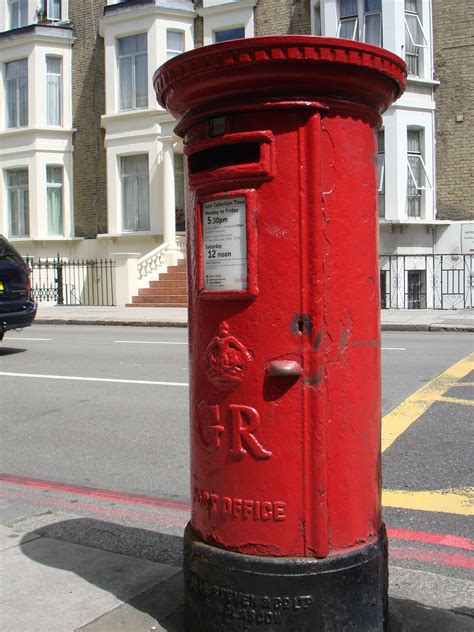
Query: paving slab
[[54, 586]]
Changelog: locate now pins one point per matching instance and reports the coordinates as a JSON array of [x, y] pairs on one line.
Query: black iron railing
[[427, 281], [72, 282]]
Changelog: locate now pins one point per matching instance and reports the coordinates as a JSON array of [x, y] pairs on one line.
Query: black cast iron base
[[232, 592]]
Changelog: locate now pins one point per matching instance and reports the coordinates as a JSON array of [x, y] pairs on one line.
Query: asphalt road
[[119, 422]]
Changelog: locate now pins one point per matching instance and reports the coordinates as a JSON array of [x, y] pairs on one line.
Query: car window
[[8, 253]]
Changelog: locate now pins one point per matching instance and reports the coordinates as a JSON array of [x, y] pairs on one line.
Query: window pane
[[174, 41], [53, 9], [410, 5], [133, 44], [348, 8], [16, 74], [141, 81], [348, 28], [415, 30], [179, 191], [135, 192], [18, 202], [53, 90], [126, 83], [230, 34], [53, 65], [413, 141], [373, 29], [133, 71], [54, 175], [373, 5], [54, 198]]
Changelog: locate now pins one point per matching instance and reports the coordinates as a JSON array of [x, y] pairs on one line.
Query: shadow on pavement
[[161, 602], [164, 601], [410, 616]]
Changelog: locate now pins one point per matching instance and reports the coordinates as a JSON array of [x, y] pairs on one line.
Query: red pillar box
[[279, 133]]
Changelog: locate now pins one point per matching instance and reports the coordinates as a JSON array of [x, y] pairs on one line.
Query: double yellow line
[[457, 501]]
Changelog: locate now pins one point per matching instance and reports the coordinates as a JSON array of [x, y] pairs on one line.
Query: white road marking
[[393, 349], [22, 338], [91, 379], [147, 342]]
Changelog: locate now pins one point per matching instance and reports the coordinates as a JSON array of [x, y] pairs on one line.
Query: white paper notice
[[225, 244]]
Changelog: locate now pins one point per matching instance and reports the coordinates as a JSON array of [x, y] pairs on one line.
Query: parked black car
[[17, 310]]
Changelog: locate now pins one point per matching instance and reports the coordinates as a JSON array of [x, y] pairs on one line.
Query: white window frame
[[15, 84], [19, 191], [21, 11], [57, 75], [55, 185], [133, 57], [170, 51]]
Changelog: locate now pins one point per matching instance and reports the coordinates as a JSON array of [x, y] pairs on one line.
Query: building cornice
[[153, 11], [37, 33]]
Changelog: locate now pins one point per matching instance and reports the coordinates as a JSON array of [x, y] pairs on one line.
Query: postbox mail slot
[[224, 156], [216, 164]]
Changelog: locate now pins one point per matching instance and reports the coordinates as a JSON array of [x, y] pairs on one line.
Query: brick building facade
[[453, 24], [88, 105]]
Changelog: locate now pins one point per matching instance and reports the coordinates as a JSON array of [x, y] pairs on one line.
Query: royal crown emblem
[[225, 360]]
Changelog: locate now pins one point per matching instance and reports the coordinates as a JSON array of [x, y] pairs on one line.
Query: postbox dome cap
[[223, 76]]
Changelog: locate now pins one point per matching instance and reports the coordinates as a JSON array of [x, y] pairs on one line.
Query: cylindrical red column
[[280, 141]]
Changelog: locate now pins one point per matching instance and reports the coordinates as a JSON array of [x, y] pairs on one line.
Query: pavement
[[392, 319], [63, 572]]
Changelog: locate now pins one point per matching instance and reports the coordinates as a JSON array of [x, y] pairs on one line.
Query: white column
[[169, 203]]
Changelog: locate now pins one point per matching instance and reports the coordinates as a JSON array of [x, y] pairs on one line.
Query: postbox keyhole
[[302, 325]]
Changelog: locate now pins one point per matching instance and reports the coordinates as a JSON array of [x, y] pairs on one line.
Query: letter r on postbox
[[242, 438]]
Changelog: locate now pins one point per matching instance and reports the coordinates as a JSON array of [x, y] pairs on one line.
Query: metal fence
[[427, 281], [72, 282]]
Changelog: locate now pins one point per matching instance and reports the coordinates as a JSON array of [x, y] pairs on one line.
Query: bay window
[[16, 87], [133, 72], [18, 203], [135, 192], [54, 199]]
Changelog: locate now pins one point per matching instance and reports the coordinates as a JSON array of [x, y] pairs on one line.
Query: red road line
[[105, 494], [442, 539], [113, 513], [433, 557]]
